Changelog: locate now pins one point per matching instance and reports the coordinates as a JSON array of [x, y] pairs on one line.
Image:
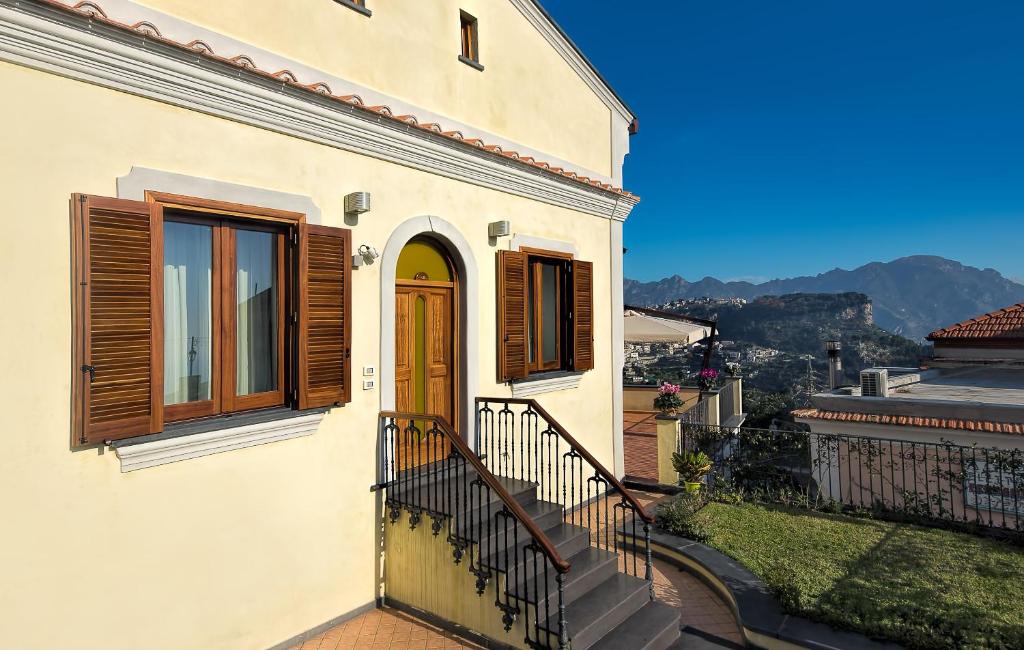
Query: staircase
[[536, 522]]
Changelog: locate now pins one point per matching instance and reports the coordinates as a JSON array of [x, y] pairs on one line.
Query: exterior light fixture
[[499, 229], [365, 254], [357, 203]]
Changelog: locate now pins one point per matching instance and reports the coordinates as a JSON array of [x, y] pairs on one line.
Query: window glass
[[188, 269], [422, 260], [256, 312], [531, 302], [549, 313]]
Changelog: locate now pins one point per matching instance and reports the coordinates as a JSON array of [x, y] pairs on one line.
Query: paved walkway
[[640, 444], [384, 629]]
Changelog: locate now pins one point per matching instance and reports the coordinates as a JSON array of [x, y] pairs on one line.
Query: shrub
[[692, 466], [682, 516]]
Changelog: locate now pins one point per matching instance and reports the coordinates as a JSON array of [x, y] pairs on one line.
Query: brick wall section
[[640, 445]]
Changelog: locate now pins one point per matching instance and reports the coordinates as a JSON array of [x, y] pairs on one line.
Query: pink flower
[[668, 389]]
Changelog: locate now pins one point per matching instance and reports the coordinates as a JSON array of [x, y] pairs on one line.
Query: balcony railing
[[923, 481]]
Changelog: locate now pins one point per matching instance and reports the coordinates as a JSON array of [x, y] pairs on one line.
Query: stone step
[[654, 627], [602, 609]]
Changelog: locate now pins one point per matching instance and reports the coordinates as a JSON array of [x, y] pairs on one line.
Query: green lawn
[[921, 587]]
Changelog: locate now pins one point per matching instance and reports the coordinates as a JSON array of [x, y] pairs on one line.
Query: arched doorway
[[426, 331]]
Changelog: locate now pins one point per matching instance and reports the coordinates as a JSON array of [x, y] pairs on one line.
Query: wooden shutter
[[325, 308], [117, 382], [583, 315], [512, 315]]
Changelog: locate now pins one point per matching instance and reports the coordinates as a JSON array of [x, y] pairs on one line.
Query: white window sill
[[172, 450], [531, 387]]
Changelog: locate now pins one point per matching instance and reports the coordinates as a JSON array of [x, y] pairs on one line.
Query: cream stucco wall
[[409, 49], [242, 549]]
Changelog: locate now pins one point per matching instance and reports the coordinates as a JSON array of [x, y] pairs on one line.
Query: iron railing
[[932, 482], [518, 439], [430, 472], [698, 414]]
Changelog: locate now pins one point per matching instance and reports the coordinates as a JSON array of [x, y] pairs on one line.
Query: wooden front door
[[424, 363]]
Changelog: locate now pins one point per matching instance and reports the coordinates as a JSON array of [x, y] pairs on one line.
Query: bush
[[682, 516], [692, 466]]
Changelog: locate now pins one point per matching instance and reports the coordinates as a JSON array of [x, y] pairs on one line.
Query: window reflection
[[188, 268], [256, 314]]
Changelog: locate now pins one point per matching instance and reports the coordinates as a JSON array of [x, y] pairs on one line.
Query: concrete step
[[566, 538], [590, 567], [544, 515], [654, 627], [602, 609]]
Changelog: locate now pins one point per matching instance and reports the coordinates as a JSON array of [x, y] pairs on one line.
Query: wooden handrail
[[492, 482], [580, 449]]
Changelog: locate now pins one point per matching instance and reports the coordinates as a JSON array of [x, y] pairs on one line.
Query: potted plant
[[692, 466], [668, 400], [707, 377]]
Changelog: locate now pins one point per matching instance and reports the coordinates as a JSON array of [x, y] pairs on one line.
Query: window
[[189, 308], [545, 319], [470, 37], [223, 315], [544, 324], [358, 5]]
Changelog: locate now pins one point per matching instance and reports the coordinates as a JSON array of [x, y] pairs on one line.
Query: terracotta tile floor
[[701, 609], [384, 629]]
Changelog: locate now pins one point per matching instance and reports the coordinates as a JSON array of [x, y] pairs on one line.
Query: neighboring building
[[190, 263], [969, 398]]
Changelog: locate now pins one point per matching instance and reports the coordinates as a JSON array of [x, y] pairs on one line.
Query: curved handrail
[[580, 449], [492, 482]]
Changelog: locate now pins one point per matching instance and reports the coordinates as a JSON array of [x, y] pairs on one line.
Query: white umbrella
[[644, 328]]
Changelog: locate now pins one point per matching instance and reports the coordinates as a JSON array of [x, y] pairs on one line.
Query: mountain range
[[911, 296]]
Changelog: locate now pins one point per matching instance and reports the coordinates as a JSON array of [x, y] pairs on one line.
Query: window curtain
[[187, 312]]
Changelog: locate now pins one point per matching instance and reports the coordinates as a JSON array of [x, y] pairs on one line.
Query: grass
[[921, 587]]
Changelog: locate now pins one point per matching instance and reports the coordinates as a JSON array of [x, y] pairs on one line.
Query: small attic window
[[470, 36], [358, 5]]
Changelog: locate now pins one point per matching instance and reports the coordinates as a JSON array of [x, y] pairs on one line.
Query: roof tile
[[1006, 323], [1014, 428]]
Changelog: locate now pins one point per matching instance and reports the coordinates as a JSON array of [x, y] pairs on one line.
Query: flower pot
[[692, 488]]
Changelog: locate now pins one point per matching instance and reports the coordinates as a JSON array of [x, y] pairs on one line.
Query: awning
[[644, 328]]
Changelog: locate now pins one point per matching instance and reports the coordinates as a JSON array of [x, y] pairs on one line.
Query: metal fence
[[927, 481]]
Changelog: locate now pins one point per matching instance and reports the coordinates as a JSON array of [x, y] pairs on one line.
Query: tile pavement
[[640, 445], [384, 629]]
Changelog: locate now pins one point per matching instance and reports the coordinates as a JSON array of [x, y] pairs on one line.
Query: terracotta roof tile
[[95, 12], [1006, 323], [989, 426]]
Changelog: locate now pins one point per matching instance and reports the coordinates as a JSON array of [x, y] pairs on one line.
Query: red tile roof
[[912, 421], [96, 13], [1002, 324]]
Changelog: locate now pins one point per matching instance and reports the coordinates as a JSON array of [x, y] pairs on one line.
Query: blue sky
[[782, 138]]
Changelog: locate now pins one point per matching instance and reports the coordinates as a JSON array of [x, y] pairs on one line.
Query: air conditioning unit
[[874, 382]]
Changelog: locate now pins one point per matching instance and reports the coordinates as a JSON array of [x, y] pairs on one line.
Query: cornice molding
[[45, 38], [565, 48]]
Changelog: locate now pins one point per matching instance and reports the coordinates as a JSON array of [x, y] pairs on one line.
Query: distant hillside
[[797, 325], [911, 296]]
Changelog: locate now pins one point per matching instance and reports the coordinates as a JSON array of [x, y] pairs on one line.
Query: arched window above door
[[422, 259]]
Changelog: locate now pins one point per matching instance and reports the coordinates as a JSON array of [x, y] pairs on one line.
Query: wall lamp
[[357, 203], [365, 254], [499, 229]]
